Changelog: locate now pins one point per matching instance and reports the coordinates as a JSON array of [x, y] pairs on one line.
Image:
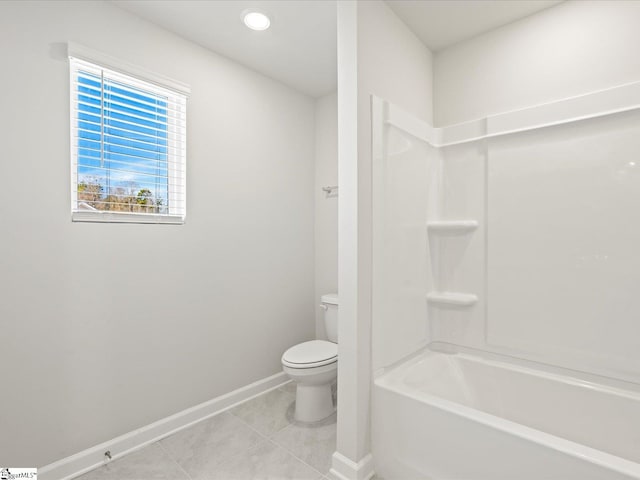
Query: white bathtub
[[470, 416]]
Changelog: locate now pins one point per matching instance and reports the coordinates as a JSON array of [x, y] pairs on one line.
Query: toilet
[[313, 366]]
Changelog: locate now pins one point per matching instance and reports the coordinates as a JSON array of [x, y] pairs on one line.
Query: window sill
[[123, 217]]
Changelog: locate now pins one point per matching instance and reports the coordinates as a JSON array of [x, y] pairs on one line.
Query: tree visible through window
[[129, 145]]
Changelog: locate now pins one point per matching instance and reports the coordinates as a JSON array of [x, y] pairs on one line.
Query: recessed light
[[256, 20]]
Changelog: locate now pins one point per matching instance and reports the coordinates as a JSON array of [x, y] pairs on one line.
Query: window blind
[[128, 147]]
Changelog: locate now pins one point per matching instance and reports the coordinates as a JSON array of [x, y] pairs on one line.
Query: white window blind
[[128, 148]]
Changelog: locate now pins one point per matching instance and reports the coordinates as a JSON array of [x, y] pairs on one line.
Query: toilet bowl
[[313, 367]]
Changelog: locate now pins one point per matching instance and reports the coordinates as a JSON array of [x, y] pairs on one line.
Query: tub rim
[[389, 380]]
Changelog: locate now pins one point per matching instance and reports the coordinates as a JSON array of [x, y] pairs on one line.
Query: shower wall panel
[[406, 174], [458, 256], [563, 240], [522, 242]]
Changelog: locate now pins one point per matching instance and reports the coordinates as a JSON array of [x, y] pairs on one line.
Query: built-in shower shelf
[[452, 226], [452, 298]]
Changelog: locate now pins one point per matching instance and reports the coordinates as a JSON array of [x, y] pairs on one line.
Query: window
[[128, 148]]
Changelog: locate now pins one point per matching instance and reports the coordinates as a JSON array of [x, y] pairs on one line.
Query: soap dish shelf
[[451, 299], [452, 227]]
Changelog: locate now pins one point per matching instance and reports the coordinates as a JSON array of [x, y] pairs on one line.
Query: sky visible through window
[[122, 147]]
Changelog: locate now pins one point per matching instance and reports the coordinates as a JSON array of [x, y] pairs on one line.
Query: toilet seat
[[315, 353]]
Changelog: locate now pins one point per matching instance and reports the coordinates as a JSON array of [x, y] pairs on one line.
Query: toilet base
[[313, 402]]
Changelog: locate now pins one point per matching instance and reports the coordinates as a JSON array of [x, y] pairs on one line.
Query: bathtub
[[454, 414]]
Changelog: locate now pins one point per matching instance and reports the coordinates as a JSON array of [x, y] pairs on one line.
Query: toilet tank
[[329, 303]]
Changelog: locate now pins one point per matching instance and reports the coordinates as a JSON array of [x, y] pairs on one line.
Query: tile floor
[[257, 439]]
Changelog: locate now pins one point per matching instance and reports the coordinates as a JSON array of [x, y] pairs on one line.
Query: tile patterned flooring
[[255, 440]]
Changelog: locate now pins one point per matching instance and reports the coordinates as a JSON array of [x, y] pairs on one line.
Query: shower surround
[[504, 270]]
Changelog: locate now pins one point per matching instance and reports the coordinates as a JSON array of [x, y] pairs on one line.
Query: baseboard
[[93, 457], [343, 468]]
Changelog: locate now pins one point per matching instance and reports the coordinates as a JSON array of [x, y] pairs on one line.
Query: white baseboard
[[343, 468], [93, 457]]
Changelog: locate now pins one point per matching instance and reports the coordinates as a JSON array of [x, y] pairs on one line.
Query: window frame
[[176, 135]]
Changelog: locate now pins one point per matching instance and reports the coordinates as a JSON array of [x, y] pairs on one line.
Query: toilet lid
[[311, 354]]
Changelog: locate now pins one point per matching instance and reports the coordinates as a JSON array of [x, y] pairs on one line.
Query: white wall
[[573, 48], [326, 250], [377, 55], [109, 327]]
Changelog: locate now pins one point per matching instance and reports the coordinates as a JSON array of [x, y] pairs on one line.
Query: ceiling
[[300, 47], [442, 23]]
